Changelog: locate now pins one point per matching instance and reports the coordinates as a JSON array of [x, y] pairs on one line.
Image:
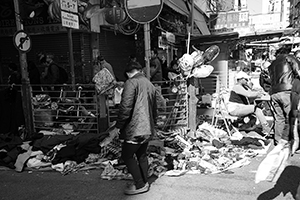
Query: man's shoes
[[131, 189], [266, 129]]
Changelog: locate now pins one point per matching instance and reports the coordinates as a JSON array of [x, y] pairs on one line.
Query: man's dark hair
[[133, 65], [132, 56], [155, 51], [100, 58], [282, 50]]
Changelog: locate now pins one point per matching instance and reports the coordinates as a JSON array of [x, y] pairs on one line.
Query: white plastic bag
[[202, 71], [273, 165]]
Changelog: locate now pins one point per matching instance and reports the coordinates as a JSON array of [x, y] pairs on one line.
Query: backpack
[[63, 74]]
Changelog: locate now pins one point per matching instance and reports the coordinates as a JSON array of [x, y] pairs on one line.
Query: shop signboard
[[170, 37], [232, 19], [143, 11]]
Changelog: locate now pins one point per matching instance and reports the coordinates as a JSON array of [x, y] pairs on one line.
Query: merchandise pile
[[208, 150]]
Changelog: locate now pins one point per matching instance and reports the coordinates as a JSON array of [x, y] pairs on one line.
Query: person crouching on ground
[[239, 105], [136, 120]]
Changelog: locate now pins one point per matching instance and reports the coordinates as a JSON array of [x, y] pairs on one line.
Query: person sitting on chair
[[239, 105]]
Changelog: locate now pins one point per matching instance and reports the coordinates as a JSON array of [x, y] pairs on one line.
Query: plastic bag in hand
[[274, 163]]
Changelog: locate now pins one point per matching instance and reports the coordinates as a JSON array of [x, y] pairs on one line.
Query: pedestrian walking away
[[136, 120]]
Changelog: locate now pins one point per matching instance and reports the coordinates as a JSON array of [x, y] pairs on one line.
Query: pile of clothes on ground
[[208, 150]]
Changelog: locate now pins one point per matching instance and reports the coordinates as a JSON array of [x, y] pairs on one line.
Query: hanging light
[[30, 9], [115, 15]]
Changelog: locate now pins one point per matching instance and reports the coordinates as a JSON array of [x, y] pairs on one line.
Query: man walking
[[136, 120], [283, 72]]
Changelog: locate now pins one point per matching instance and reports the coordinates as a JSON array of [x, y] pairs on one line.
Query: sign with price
[[69, 20], [69, 10], [69, 5]]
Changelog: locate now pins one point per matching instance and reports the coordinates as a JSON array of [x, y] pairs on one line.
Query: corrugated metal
[[209, 84], [8, 54], [116, 49], [86, 57]]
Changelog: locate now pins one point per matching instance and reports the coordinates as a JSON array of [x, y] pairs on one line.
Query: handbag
[[274, 163]]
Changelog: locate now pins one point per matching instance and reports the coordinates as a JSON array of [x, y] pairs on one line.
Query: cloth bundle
[[103, 80]]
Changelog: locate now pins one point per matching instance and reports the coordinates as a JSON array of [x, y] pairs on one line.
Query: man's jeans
[[135, 158], [281, 102]]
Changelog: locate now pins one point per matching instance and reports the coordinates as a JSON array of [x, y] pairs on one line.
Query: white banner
[[69, 20]]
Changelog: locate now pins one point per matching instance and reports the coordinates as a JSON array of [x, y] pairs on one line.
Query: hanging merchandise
[[186, 62], [202, 72], [211, 53], [104, 81], [196, 64]]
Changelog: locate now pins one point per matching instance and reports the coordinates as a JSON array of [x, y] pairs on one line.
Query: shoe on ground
[[131, 189], [266, 129]]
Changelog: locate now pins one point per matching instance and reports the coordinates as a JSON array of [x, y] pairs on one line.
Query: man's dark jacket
[[138, 108], [282, 73]]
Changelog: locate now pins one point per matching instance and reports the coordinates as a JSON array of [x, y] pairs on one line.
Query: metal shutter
[[116, 49]]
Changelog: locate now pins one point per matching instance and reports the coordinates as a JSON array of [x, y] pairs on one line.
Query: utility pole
[[71, 57], [147, 48], [191, 81], [26, 88]]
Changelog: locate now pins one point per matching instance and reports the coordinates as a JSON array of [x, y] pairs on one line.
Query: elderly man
[[239, 105]]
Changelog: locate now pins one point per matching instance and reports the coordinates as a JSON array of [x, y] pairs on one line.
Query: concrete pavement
[[237, 184]]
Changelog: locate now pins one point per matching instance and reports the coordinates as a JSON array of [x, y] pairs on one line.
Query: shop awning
[[180, 7], [201, 22], [177, 5]]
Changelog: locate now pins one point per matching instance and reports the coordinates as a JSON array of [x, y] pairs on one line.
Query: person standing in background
[[51, 71], [15, 76], [52, 74], [264, 77], [102, 63], [164, 68], [155, 68], [34, 77]]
